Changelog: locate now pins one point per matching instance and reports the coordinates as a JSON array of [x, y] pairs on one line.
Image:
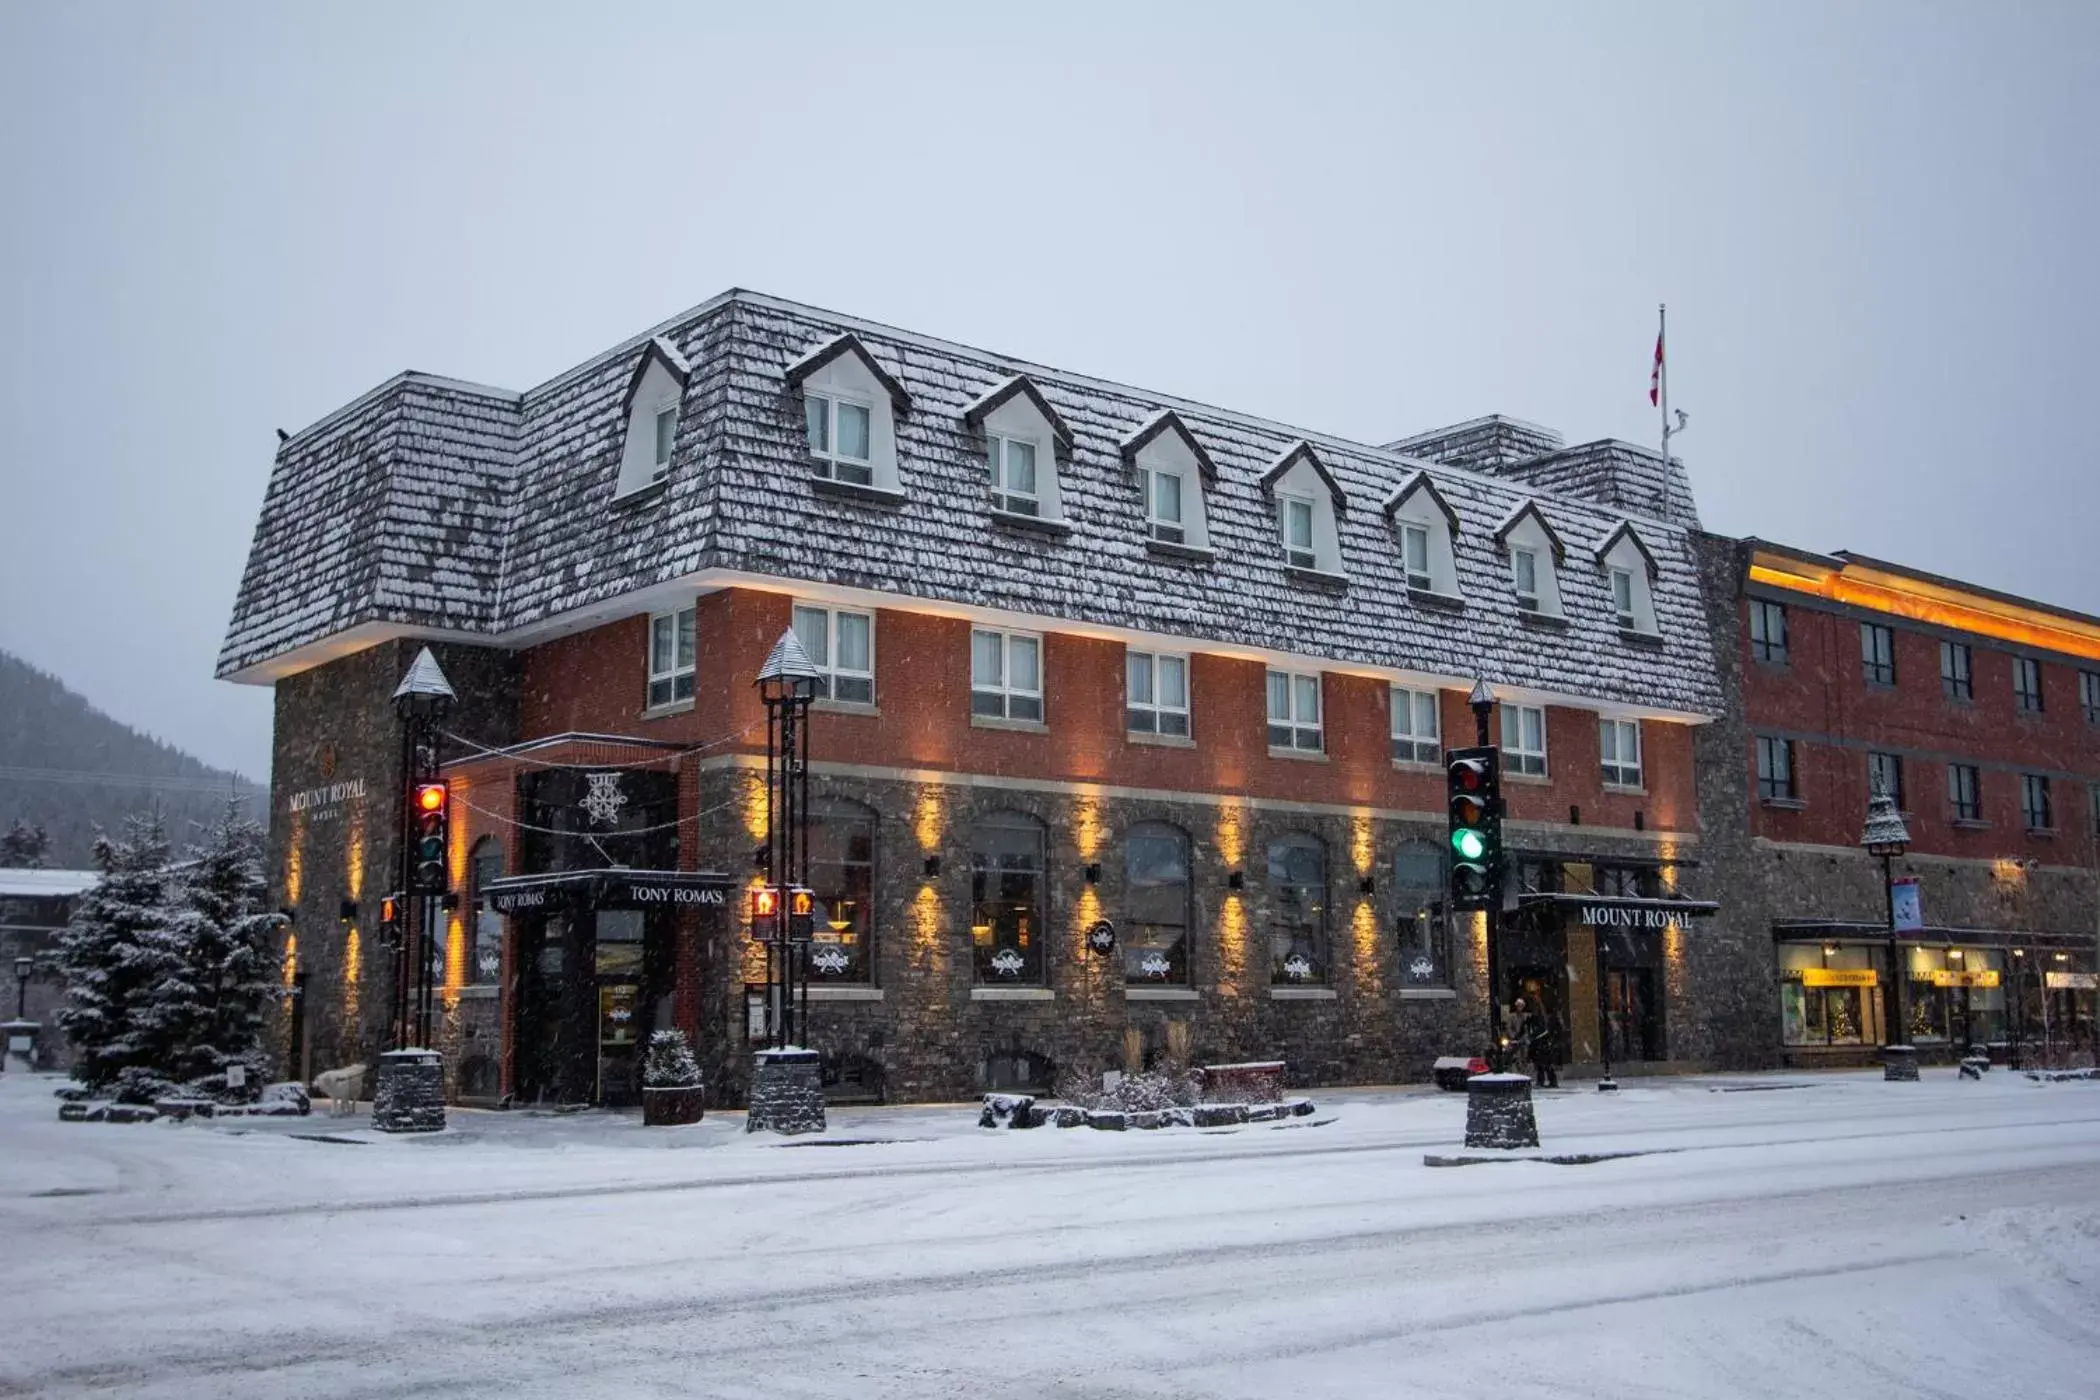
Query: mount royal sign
[[1626, 916], [324, 803]]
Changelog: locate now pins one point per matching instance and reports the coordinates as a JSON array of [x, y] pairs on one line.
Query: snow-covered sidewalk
[[1786, 1235]]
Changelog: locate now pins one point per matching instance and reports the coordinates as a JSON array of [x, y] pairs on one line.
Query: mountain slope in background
[[70, 768]]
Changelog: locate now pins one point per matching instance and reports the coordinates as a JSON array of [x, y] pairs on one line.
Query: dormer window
[[1535, 558], [1428, 535], [1023, 439], [1298, 532], [651, 407], [1630, 572], [850, 407], [1172, 470], [1524, 564], [1013, 476], [1308, 505], [839, 438]]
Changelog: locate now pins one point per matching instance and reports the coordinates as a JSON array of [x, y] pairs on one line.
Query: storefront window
[[1156, 939], [485, 957], [1425, 934], [1298, 911], [842, 874], [1928, 1003], [1827, 994], [1006, 900]]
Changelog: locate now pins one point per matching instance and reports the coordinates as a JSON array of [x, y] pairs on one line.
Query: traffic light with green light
[[1473, 786]]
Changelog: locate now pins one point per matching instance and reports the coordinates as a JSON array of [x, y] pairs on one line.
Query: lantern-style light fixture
[[787, 672]]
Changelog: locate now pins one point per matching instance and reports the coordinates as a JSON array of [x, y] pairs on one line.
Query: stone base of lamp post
[[1498, 1111], [787, 1092], [18, 1039], [409, 1093], [1899, 1062]]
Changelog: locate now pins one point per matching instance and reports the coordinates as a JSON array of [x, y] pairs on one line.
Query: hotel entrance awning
[[609, 889]]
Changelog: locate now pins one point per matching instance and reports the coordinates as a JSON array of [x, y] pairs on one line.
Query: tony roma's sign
[[608, 889]]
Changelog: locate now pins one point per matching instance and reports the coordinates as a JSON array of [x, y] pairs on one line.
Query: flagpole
[[1662, 369]]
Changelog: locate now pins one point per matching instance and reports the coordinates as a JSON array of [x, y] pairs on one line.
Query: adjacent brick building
[[1091, 653], [1980, 712]]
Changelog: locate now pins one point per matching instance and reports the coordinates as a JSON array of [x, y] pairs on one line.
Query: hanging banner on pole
[[1910, 914]]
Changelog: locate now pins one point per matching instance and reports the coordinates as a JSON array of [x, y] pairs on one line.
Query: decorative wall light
[[1237, 880], [1093, 872], [1367, 885], [762, 856], [347, 911], [933, 867]]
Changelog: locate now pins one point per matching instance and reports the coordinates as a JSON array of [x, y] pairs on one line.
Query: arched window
[[1006, 900], [1156, 909], [842, 872], [1424, 928], [485, 957], [1298, 911]]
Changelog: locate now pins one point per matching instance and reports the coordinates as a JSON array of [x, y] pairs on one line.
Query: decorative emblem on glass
[[1421, 969], [1297, 967], [1155, 964], [1007, 963], [830, 961]]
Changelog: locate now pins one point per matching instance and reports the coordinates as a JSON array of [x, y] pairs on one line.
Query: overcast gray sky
[[1874, 225]]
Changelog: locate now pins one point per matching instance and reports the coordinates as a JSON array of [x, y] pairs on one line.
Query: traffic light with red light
[[431, 815], [1473, 786]]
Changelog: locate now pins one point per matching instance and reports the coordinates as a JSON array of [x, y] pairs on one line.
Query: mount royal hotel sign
[[1626, 916], [326, 801]]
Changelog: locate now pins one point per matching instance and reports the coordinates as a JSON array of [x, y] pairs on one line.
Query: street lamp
[[423, 700], [1887, 837], [23, 968], [787, 683]]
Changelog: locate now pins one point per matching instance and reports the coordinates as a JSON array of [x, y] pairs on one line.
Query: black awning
[[608, 889], [1826, 930], [1620, 911]]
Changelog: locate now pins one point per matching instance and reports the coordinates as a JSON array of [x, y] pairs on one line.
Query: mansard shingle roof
[[432, 507]]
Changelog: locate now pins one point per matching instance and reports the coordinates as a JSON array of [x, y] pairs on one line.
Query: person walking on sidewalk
[[1538, 1042]]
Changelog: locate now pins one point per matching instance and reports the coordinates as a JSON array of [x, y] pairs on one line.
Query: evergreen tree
[[24, 846], [115, 951], [208, 1008]]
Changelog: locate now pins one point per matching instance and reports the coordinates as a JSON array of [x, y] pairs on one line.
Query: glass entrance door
[[1629, 1014]]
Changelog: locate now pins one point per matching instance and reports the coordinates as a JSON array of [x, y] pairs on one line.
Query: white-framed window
[[1524, 739], [1414, 554], [1156, 693], [1417, 737], [1006, 674], [1524, 573], [666, 439], [671, 657], [1619, 745], [1622, 597], [1164, 506], [841, 642], [1013, 475], [841, 436], [1298, 532], [1294, 711]]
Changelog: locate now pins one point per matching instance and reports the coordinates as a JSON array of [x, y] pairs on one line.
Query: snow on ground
[[1786, 1236]]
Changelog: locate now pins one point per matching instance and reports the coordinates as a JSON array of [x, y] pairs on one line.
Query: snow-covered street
[[1787, 1236]]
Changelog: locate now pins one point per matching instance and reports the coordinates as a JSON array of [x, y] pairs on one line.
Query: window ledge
[[1416, 765], [1033, 524], [1012, 994], [676, 707], [1302, 755], [846, 707], [2046, 833], [844, 992], [1886, 687], [1449, 602], [1428, 994], [1187, 553], [480, 991], [1960, 702], [1317, 578], [1164, 741], [1552, 622], [1303, 994], [1783, 804], [1626, 790], [1765, 663], [1016, 726], [1634, 636], [1528, 779], [640, 495], [1971, 824], [854, 491], [1142, 993]]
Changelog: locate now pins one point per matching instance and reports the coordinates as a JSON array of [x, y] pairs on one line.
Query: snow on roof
[[46, 884], [670, 353]]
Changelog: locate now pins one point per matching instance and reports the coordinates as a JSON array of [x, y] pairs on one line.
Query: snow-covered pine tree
[[209, 1010], [114, 952], [24, 846]]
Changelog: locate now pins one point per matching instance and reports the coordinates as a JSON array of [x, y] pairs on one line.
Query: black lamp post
[[23, 968], [1482, 703], [422, 700], [1887, 837], [787, 682]]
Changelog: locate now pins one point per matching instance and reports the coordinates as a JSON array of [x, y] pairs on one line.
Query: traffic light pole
[[1482, 706]]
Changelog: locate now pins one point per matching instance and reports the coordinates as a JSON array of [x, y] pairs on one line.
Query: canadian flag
[[1655, 376]]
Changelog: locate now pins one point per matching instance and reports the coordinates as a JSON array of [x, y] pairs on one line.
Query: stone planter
[[671, 1108]]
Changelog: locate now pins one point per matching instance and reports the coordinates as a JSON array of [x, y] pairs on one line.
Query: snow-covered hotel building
[[1090, 653]]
